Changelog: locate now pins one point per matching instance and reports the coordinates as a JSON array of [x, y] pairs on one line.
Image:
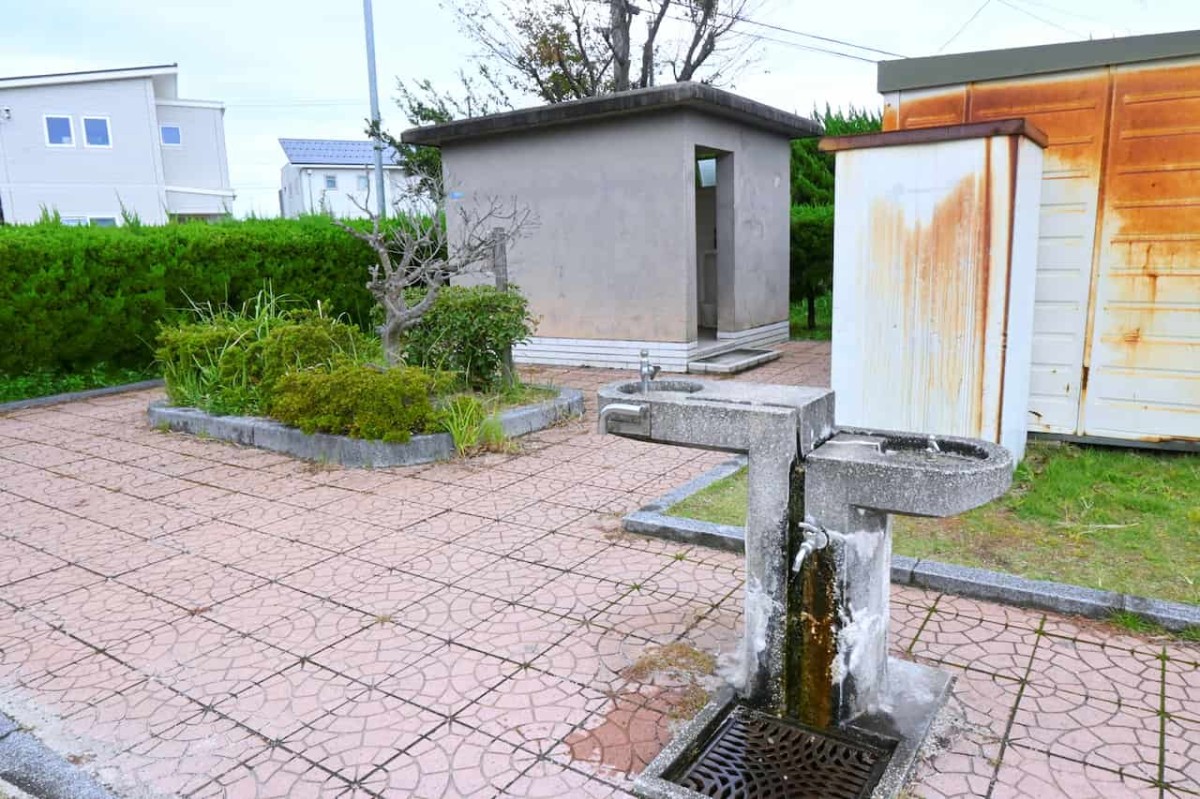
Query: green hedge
[[71, 298], [811, 255]]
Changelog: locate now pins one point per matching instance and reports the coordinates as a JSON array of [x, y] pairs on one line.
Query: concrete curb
[[72, 396], [963, 581], [30, 766], [652, 519], [353, 452]]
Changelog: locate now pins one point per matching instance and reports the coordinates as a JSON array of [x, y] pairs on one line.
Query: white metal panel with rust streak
[[932, 317]]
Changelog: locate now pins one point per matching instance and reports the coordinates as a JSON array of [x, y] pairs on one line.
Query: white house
[[335, 177], [89, 144]]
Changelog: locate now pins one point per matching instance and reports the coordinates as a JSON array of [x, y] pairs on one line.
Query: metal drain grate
[[754, 756]]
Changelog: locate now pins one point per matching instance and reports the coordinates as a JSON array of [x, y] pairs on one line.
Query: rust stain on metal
[[1014, 146], [936, 272], [983, 293]]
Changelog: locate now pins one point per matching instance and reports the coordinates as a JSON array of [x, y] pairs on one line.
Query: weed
[[1137, 624], [462, 418], [674, 659]]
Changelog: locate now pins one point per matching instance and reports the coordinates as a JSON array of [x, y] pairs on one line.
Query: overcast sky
[[297, 68]]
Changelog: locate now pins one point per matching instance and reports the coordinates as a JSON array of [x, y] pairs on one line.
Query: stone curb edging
[[32, 767], [72, 396], [965, 581], [353, 452]]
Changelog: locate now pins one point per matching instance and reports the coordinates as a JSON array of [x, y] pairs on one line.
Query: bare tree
[[454, 236], [571, 49]]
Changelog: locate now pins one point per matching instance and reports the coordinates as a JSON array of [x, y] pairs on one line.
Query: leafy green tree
[[812, 170]]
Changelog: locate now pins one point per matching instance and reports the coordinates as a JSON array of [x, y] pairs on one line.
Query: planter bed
[[268, 434]]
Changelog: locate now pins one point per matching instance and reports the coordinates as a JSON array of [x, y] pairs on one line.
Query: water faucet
[[648, 371], [618, 409], [814, 538]]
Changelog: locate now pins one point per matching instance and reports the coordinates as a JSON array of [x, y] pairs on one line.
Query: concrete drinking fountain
[[815, 707]]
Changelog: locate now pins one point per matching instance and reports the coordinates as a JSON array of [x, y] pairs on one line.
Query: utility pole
[[369, 20]]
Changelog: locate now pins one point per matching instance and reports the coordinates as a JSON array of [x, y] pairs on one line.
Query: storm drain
[[755, 756]]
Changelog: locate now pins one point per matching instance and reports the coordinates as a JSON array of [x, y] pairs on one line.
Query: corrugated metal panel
[[922, 330], [1071, 112], [1144, 359]]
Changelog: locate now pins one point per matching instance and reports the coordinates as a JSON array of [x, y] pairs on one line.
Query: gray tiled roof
[[333, 151]]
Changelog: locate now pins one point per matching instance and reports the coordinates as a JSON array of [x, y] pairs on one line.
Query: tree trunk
[[390, 334], [500, 270], [619, 32], [811, 302]]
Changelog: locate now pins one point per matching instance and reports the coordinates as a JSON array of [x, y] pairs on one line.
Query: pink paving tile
[[136, 714], [574, 595], [594, 657], [191, 582], [984, 646], [969, 610], [225, 543], [1100, 734], [393, 549], [986, 702], [87, 681], [651, 616], [1181, 754], [382, 511], [906, 623], [207, 500], [510, 579], [449, 612], [963, 768], [47, 585], [259, 514], [544, 515], [625, 565], [258, 608], [365, 732], [1181, 691], [532, 709], [19, 562], [313, 627], [324, 530], [81, 544], [273, 773], [719, 631], [446, 527], [281, 704], [31, 651], [159, 651], [1026, 773], [495, 506], [279, 562], [104, 613], [385, 594], [501, 538], [377, 651], [546, 779], [560, 551], [449, 564], [517, 633], [1099, 672], [453, 762], [623, 736], [230, 665], [332, 575], [181, 758], [447, 679], [448, 497], [704, 582]]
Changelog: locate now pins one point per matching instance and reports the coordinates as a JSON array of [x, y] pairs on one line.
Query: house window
[[170, 134], [95, 132], [102, 221], [364, 183], [74, 221], [706, 170], [331, 181], [59, 132]]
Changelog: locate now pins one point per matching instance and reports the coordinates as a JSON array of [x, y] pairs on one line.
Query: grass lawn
[[1120, 520], [45, 383], [798, 318]]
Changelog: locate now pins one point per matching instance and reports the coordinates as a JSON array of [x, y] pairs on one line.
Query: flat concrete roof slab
[[672, 97]]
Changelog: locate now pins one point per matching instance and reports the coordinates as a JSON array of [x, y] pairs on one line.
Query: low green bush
[[467, 331], [229, 362], [359, 401]]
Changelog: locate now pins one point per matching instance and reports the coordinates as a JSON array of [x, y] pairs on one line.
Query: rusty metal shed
[[1116, 340]]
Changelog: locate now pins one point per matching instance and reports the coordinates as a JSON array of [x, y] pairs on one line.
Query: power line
[[1043, 20], [966, 24], [1075, 14], [793, 31]]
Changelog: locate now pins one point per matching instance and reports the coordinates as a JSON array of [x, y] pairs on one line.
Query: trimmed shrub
[[74, 297], [359, 401], [467, 330], [811, 255]]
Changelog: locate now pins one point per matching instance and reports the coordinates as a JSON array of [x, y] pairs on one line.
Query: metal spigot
[[618, 409], [648, 371], [815, 538]]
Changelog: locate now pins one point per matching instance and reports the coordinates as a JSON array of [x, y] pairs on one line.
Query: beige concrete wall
[[614, 253]]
